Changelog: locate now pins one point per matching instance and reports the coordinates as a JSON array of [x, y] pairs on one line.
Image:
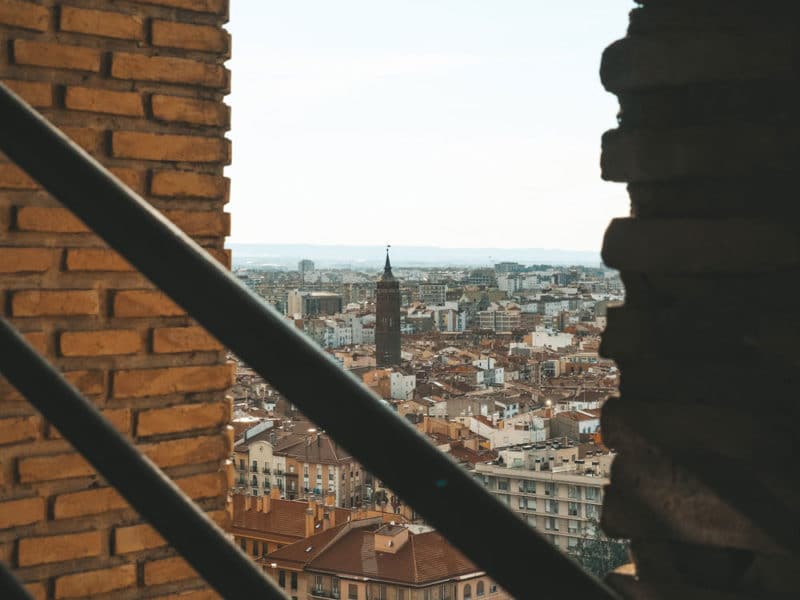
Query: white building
[[402, 386]]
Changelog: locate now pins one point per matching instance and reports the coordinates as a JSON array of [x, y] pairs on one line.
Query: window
[[241, 464], [572, 543], [256, 548], [445, 591], [551, 507], [379, 592], [479, 588], [574, 509], [255, 466], [294, 580], [467, 592], [352, 591], [255, 490], [592, 493], [572, 526], [492, 588], [591, 511], [243, 544], [282, 578], [527, 487], [573, 491], [550, 489], [551, 524], [502, 484], [335, 587], [318, 585], [401, 594]]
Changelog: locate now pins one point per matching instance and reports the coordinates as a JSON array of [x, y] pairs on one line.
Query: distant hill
[[369, 257]]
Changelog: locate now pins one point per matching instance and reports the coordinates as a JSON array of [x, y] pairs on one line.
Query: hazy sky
[[455, 122]]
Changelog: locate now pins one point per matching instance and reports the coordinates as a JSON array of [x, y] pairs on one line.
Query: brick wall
[[140, 86]]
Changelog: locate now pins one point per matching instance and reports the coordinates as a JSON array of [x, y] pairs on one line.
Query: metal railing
[[390, 448]]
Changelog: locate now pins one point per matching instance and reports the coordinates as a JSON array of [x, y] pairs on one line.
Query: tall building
[[387, 323]]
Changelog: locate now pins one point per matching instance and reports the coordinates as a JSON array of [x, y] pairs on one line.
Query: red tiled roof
[[285, 517], [425, 558]]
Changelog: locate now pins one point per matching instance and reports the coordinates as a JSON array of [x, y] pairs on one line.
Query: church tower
[[387, 325]]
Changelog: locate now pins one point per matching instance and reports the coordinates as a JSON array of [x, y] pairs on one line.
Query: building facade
[[551, 488]]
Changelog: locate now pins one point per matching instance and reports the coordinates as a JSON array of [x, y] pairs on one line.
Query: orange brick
[[120, 419], [19, 429], [104, 101], [100, 343], [51, 220], [102, 23], [35, 93], [90, 583], [223, 256], [145, 303], [57, 56], [177, 148], [183, 339], [90, 383], [37, 339], [38, 303], [188, 451], [130, 177], [183, 417], [168, 569], [168, 70], [88, 502], [209, 6], [14, 178], [156, 382], [22, 512], [189, 37], [92, 502], [205, 485], [136, 538], [89, 139], [37, 589], [198, 594], [57, 548], [189, 110], [25, 260], [95, 259], [24, 15], [188, 184], [201, 222], [47, 468]]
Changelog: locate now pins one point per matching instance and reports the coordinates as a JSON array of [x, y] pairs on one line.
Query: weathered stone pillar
[[705, 484]]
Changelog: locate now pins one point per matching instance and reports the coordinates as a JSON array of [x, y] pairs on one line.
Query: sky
[[453, 123]]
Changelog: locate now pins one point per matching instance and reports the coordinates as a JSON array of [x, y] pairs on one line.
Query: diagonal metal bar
[[205, 546], [386, 444], [11, 586]]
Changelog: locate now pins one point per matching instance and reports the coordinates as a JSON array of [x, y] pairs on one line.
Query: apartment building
[[556, 488], [299, 465], [372, 560]]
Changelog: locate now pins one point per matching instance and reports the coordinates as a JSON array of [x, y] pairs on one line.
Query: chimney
[[330, 499], [260, 503], [310, 521], [275, 493], [266, 502]]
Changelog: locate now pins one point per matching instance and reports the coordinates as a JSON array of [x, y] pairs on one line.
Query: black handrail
[[205, 546], [388, 446], [11, 586]]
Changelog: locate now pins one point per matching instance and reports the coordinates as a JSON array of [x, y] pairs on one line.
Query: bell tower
[[387, 325]]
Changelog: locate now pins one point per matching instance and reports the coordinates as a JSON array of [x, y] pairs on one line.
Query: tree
[[598, 553]]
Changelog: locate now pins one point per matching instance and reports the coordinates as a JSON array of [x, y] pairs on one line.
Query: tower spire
[[387, 268]]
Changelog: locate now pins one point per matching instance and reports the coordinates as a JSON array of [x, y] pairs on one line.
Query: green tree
[[598, 553]]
